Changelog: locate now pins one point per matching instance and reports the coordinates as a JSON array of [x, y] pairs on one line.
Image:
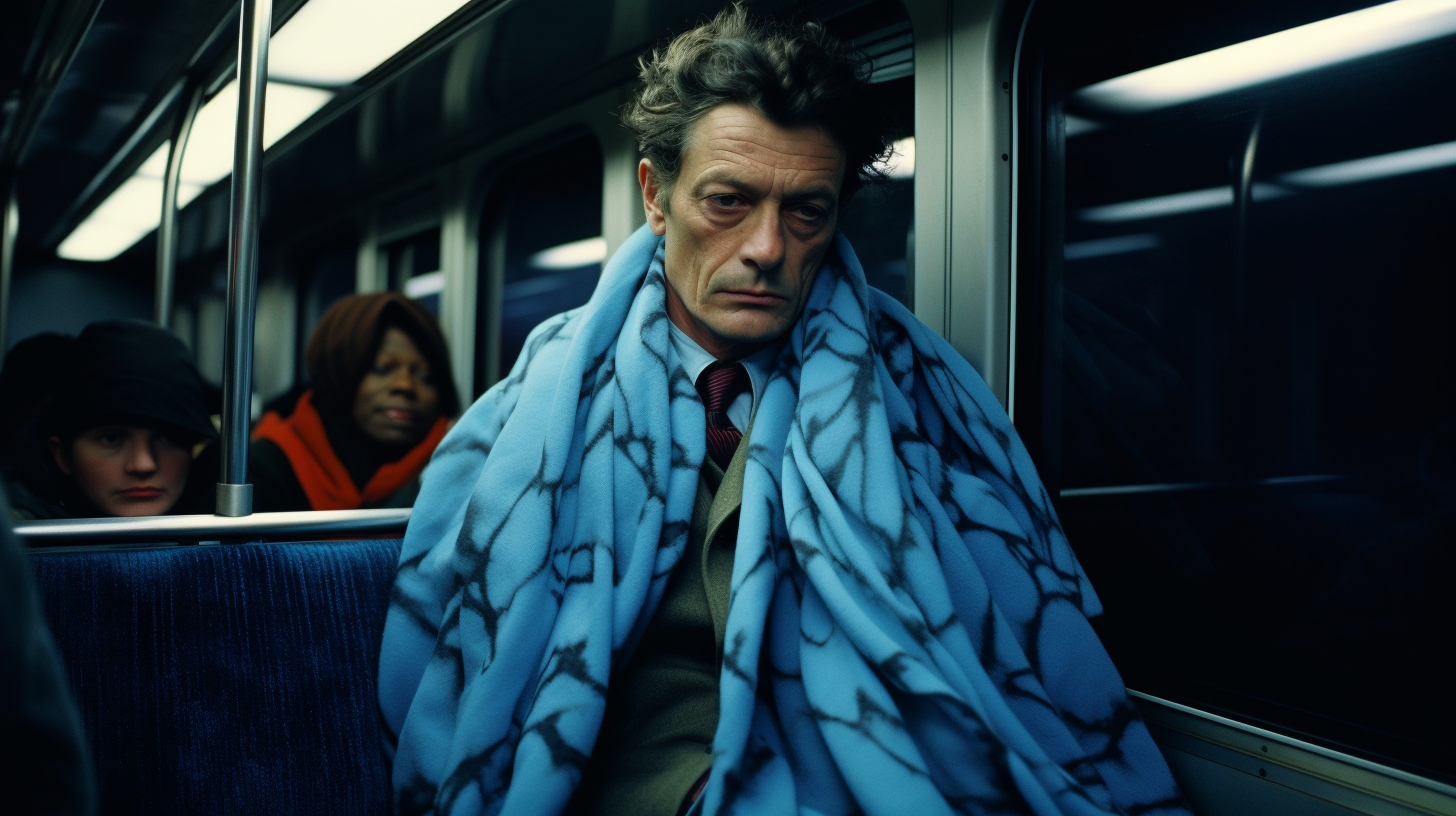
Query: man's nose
[[764, 246]]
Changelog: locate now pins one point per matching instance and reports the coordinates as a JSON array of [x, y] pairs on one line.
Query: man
[[741, 534]]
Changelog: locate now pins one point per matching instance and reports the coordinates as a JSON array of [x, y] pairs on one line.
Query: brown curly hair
[[794, 74]]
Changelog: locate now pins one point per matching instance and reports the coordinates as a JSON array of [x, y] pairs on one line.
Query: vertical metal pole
[[166, 283], [234, 494], [9, 227]]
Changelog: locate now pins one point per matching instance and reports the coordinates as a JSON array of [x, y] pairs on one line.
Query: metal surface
[[166, 283], [211, 60], [9, 227], [67, 24], [234, 500], [1013, 262], [247, 188], [962, 278], [1345, 782], [275, 526]]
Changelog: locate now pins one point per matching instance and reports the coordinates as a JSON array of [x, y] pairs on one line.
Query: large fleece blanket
[[907, 631]]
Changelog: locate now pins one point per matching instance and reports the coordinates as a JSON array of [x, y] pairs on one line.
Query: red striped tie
[[718, 385]]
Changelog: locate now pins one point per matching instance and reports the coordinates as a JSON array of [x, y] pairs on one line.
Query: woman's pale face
[[126, 470], [397, 400]]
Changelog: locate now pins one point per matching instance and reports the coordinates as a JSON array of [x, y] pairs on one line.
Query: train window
[[325, 274], [543, 239], [878, 222], [413, 265], [1236, 365]]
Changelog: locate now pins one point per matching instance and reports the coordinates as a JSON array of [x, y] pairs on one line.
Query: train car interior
[[1196, 250]]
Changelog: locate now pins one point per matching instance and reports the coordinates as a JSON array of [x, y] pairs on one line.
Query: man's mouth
[[754, 297]]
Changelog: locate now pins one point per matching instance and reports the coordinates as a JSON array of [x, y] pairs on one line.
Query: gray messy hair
[[794, 74]]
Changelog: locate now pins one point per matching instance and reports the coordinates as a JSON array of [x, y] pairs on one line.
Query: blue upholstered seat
[[229, 678]]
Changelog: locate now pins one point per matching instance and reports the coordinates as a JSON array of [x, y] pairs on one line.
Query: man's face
[[747, 224]]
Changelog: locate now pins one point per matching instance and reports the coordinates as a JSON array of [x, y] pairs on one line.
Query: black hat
[[134, 369]]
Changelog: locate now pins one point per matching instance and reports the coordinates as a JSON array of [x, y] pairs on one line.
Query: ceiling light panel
[[1276, 56], [335, 42], [130, 212], [209, 155]]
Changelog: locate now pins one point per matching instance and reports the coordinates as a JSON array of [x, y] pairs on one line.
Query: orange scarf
[[324, 478]]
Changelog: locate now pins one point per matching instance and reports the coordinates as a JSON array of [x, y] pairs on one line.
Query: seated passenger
[[380, 400], [122, 434], [34, 371], [742, 535]]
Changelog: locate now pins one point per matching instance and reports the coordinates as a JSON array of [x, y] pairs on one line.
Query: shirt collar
[[694, 358]]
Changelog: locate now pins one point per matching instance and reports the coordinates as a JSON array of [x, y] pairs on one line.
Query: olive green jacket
[[662, 710]]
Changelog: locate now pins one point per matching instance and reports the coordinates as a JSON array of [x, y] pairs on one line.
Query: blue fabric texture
[[907, 629], [227, 679]]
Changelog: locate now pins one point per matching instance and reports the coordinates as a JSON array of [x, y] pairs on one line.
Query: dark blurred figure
[[49, 770], [34, 370], [123, 434], [380, 400]]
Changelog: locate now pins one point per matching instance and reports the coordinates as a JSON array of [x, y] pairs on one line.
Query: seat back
[[227, 678]]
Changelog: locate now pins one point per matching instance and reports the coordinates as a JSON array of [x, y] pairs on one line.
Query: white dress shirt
[[693, 359]]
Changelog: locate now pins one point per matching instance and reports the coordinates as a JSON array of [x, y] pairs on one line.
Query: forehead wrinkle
[[810, 154], [725, 165]]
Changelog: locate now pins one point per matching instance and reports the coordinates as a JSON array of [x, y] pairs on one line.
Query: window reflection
[[545, 235], [879, 220], [1244, 378]]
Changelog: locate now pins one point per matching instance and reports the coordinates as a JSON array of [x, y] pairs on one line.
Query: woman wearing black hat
[[122, 435], [380, 401]]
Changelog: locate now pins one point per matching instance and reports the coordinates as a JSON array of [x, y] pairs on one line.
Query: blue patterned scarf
[[899, 576]]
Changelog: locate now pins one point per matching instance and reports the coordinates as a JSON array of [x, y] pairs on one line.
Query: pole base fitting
[[234, 500]]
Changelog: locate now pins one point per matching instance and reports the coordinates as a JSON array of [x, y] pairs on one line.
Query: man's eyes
[[806, 212]]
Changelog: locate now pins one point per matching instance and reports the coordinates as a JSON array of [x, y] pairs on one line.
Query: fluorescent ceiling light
[[209, 156], [130, 212], [1102, 247], [327, 42], [1417, 160], [1276, 56], [334, 42], [572, 255], [901, 164], [155, 167], [1177, 203], [135, 208], [430, 283]]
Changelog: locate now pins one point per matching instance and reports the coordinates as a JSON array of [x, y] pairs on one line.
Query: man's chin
[[757, 330]]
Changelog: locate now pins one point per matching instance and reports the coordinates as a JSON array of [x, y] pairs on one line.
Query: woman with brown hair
[[380, 400]]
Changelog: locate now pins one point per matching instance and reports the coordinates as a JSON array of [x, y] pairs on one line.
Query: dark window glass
[[325, 271], [1236, 355], [547, 223], [878, 222], [413, 265]]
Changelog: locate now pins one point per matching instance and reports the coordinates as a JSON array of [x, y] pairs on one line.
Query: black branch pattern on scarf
[[936, 458]]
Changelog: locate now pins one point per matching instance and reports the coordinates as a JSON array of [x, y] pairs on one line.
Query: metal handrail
[[9, 230], [234, 494], [166, 283], [156, 529]]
